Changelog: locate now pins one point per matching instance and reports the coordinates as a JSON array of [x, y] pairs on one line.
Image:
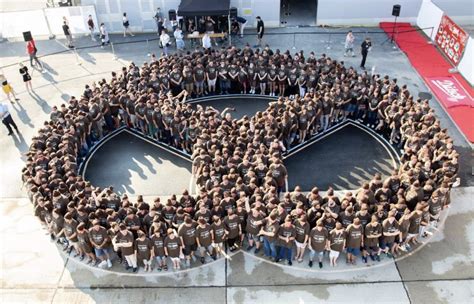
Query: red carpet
[[427, 60]]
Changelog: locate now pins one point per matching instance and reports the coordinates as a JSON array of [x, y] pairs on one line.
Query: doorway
[[298, 12]]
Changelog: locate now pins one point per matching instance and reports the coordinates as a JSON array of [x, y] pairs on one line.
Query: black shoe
[[290, 262], [203, 260], [135, 269], [257, 250], [52, 237], [277, 260], [128, 267], [10, 133], [249, 247], [320, 264], [214, 257], [310, 264]]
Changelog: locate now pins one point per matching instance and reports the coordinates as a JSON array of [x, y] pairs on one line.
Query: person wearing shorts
[[253, 227], [143, 247], [372, 232], [101, 242], [337, 239], [204, 239], [391, 232], [173, 248], [302, 235], [158, 252], [355, 240], [211, 76], [187, 233], [318, 242]]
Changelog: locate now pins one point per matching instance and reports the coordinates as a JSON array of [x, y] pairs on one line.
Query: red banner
[[451, 39], [450, 92]]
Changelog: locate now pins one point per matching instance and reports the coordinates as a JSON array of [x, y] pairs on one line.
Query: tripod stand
[[392, 35]]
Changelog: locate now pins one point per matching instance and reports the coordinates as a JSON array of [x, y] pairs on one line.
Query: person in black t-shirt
[[260, 31], [364, 49]]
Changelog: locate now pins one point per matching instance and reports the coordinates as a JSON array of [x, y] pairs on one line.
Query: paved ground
[[34, 271]]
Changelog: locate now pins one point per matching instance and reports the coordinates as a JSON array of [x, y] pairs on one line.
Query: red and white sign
[[450, 92], [451, 39]]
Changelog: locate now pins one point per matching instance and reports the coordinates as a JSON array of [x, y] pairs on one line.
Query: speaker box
[[27, 36], [233, 12], [172, 14], [396, 10]]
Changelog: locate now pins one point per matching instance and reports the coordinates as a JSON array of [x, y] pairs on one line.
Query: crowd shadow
[[22, 114], [40, 101], [134, 166], [343, 160], [20, 144]]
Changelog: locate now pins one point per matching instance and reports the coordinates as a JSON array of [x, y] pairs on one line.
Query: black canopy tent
[[192, 8]]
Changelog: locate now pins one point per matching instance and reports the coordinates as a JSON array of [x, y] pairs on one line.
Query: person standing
[[260, 31], [349, 45], [159, 20], [102, 243], [104, 35], [165, 42], [124, 240], [68, 34], [365, 47], [26, 77], [126, 26], [242, 23], [178, 36], [7, 89], [32, 50], [206, 41], [91, 26], [7, 119]]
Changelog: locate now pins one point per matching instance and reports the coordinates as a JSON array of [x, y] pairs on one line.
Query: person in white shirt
[[178, 35], [7, 119], [104, 35], [349, 45], [206, 41], [165, 42], [126, 26]]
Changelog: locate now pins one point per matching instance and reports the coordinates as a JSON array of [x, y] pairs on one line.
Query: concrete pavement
[[34, 271]]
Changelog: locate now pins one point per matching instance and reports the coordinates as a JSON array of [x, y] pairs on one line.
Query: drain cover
[[425, 95]]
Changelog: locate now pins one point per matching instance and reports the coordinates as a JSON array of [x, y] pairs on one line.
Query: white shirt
[[206, 42], [165, 39], [4, 110]]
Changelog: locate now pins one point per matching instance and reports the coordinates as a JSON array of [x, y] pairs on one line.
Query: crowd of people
[[242, 201]]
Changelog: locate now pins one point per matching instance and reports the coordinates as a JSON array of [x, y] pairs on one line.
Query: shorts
[[412, 235], [353, 251], [199, 84], [102, 251], [146, 262], [189, 248], [300, 245], [175, 259], [159, 259], [333, 254], [254, 237], [384, 245], [211, 82]]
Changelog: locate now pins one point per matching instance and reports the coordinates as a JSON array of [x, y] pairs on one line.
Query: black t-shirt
[[66, 29], [260, 27]]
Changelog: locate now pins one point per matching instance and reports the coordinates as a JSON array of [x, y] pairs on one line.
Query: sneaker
[[203, 260], [249, 247], [310, 264], [257, 250], [290, 263], [102, 264], [320, 264], [135, 269], [277, 260], [159, 268], [109, 263]]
